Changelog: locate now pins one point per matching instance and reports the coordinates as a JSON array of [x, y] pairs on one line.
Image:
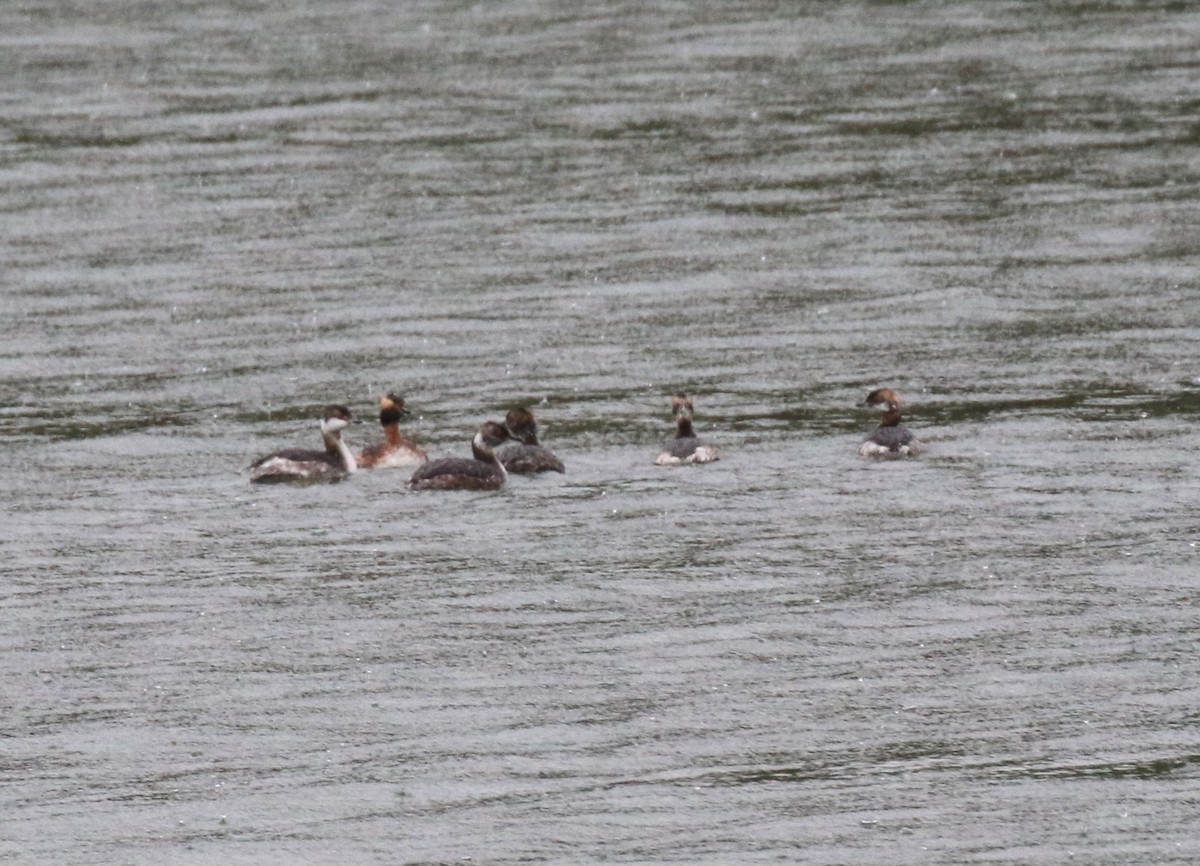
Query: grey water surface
[[216, 217]]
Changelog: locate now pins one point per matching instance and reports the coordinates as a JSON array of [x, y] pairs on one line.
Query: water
[[218, 217]]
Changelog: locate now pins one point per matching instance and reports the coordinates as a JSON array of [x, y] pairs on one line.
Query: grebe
[[528, 456], [890, 438], [484, 472], [685, 447], [300, 464], [395, 450]]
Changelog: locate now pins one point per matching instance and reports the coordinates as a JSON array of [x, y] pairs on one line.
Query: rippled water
[[218, 217]]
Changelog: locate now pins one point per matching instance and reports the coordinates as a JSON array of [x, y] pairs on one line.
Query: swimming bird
[[483, 472], [686, 447], [527, 456], [395, 450], [300, 464], [890, 438]]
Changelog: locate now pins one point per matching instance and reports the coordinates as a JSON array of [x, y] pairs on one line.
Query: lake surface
[[219, 216]]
